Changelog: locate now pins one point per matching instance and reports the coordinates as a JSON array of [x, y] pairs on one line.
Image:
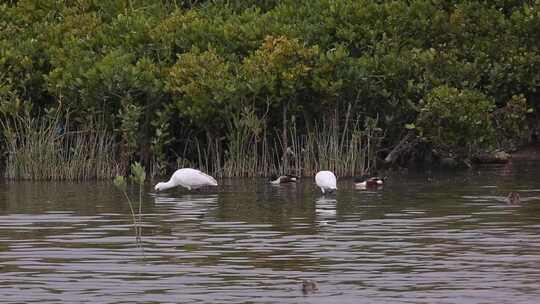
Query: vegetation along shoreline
[[256, 88]]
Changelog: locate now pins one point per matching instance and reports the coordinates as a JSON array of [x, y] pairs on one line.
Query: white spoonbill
[[326, 180], [187, 178]]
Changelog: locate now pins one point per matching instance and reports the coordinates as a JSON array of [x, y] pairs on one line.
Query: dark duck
[[309, 286], [513, 198], [275, 179], [366, 181]]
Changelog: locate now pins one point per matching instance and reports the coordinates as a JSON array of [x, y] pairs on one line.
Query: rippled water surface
[[423, 238]]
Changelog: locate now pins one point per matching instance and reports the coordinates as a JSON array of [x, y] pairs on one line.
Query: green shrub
[[511, 122], [456, 122], [191, 66]]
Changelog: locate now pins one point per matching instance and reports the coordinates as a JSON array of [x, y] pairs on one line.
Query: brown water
[[423, 238]]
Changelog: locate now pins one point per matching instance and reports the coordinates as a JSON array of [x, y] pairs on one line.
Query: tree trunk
[[403, 146], [209, 150], [146, 137]]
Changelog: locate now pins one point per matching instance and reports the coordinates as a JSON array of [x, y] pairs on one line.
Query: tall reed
[[44, 148], [346, 146], [247, 153]]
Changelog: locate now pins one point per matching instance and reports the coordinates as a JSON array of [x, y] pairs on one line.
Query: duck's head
[[291, 178], [309, 286], [513, 198], [360, 179]]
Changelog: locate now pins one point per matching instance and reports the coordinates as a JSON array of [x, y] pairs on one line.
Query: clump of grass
[[138, 176], [45, 148], [247, 153]]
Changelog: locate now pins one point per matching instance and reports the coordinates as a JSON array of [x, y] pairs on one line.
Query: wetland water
[[423, 238]]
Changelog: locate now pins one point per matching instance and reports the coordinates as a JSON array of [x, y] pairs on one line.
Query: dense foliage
[[170, 78]]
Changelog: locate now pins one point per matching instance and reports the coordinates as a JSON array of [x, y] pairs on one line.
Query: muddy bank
[[530, 152]]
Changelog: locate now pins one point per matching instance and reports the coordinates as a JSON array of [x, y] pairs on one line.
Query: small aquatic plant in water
[[138, 176]]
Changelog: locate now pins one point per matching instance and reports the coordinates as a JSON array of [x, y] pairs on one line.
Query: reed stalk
[[138, 176]]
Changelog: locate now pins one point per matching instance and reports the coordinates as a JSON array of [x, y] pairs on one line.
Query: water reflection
[[424, 238], [326, 210], [187, 207]]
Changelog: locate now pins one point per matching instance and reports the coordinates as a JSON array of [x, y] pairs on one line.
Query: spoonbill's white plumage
[[187, 178], [326, 180]]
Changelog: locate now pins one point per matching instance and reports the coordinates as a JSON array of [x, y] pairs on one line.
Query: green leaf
[[138, 174], [120, 183], [410, 126]]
